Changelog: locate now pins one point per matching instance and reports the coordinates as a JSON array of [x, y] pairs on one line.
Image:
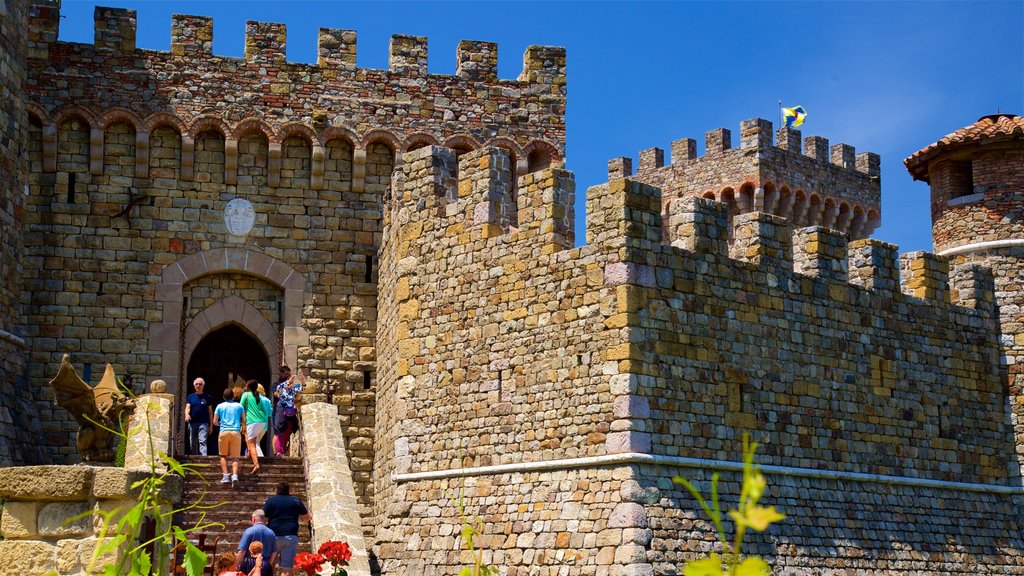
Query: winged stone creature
[[105, 406]]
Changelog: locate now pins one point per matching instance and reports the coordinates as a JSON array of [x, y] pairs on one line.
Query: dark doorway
[[228, 350]]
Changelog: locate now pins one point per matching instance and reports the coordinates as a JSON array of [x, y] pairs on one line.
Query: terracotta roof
[[988, 129]]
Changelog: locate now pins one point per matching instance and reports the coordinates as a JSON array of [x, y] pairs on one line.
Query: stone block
[[19, 520], [46, 482], [55, 519], [24, 557]]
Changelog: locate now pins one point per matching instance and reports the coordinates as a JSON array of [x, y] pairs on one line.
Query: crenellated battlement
[[191, 87], [265, 43], [801, 179], [470, 197], [624, 213]]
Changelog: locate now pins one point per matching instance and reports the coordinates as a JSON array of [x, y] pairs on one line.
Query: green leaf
[[710, 566], [172, 463], [111, 570], [109, 545], [467, 571], [757, 517], [753, 566], [143, 564], [131, 518], [195, 560]]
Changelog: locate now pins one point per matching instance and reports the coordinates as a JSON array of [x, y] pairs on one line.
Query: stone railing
[[332, 497], [39, 536], [40, 500]]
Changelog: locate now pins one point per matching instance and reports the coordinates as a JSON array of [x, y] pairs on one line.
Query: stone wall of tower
[[979, 198], [801, 179], [870, 380], [19, 424]]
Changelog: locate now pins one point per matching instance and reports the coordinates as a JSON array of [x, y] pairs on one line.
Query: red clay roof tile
[[994, 128]]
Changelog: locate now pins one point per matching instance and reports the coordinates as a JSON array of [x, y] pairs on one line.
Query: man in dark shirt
[[284, 512], [198, 413]]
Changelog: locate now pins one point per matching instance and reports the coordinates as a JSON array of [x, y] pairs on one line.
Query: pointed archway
[[166, 337], [227, 350]]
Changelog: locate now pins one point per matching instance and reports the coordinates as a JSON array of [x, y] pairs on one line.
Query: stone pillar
[[152, 419]]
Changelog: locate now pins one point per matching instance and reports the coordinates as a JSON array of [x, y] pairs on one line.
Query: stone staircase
[[237, 504]]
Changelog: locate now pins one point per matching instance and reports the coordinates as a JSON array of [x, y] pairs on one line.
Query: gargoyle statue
[[93, 408]]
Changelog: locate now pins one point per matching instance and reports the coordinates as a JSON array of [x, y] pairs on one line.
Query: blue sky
[[886, 77]]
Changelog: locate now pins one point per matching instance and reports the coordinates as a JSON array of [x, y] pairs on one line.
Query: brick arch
[[38, 112], [250, 126], [231, 310], [339, 133], [48, 133], [462, 142], [297, 130], [418, 140], [208, 123], [80, 112], [115, 115], [95, 147], [161, 119], [165, 336], [539, 155], [385, 137]]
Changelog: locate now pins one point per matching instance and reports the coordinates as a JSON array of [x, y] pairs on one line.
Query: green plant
[[472, 528], [748, 515], [122, 548]]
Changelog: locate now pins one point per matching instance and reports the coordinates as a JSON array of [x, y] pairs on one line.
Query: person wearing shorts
[[230, 416], [256, 421], [284, 512]]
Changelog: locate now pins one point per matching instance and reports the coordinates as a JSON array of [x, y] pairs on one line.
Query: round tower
[[977, 183]]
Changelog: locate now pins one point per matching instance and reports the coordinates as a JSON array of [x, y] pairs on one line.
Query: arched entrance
[[228, 350]]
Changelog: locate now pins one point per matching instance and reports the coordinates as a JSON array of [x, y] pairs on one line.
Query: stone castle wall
[[545, 374], [1008, 272], [134, 153]]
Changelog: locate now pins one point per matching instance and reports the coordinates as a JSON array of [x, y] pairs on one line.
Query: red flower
[[337, 553], [309, 563]]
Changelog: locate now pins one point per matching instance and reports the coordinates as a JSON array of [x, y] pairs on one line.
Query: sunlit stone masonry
[[407, 240]]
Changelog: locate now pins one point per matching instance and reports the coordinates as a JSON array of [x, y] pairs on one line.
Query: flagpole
[[782, 121]]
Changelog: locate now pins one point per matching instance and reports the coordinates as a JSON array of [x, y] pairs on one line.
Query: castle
[[408, 239]]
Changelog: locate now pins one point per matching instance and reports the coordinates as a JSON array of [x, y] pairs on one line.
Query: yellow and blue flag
[[794, 116]]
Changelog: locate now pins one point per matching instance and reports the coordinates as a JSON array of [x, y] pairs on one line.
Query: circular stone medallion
[[239, 216]]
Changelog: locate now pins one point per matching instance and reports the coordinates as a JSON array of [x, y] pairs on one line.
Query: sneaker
[[234, 480], [225, 479]]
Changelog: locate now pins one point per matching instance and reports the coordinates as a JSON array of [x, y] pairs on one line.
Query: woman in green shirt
[[256, 419]]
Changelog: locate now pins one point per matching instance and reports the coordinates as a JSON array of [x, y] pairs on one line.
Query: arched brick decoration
[[165, 336], [232, 310]]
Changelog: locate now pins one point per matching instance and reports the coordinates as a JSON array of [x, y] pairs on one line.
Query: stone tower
[[977, 182], [16, 436]]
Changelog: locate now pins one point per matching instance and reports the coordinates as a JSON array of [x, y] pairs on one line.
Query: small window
[[961, 180]]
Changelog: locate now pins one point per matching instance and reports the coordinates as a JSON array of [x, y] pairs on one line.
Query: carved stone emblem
[[239, 216]]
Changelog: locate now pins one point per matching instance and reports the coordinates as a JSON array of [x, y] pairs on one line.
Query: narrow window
[[366, 379], [71, 187], [369, 269]]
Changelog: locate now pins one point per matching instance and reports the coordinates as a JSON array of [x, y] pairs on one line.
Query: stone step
[[234, 506]]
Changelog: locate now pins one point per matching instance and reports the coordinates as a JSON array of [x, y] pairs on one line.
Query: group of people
[[249, 410], [272, 539]]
